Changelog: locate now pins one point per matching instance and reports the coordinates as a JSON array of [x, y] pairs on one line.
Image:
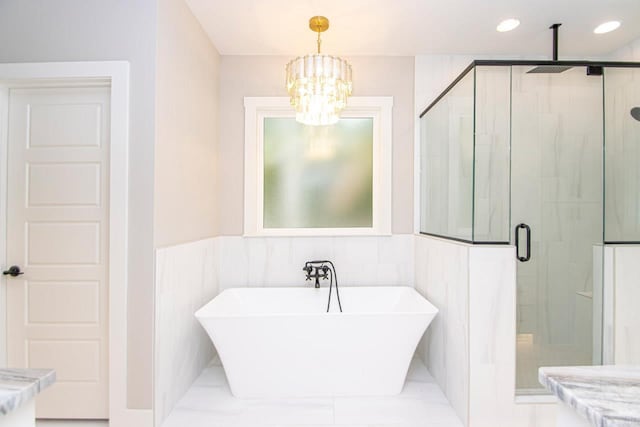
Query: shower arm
[[555, 27]]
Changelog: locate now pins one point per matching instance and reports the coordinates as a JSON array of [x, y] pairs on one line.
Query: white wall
[[93, 30], [185, 201], [630, 52], [187, 95]]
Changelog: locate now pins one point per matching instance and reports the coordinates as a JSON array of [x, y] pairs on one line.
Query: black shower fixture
[[635, 113], [545, 69]]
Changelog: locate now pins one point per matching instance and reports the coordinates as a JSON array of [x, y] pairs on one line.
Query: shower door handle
[[527, 256]]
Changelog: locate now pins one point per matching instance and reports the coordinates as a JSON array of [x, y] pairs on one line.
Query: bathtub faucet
[[323, 270]]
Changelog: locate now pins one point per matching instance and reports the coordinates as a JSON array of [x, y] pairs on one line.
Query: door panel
[[556, 184], [57, 232], [63, 184], [63, 243], [85, 119]]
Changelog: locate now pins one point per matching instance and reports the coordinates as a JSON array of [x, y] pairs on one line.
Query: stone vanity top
[[607, 396], [18, 386]]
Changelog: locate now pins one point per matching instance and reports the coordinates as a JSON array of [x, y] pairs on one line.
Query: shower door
[[557, 218]]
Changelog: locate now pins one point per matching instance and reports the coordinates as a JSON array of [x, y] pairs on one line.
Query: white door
[[57, 234]]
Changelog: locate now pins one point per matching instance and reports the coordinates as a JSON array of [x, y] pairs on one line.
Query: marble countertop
[[607, 396], [18, 386]]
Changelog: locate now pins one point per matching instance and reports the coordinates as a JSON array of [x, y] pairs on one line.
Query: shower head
[[551, 69], [635, 113]]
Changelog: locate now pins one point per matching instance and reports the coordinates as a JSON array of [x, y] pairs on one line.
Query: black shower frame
[[526, 63]]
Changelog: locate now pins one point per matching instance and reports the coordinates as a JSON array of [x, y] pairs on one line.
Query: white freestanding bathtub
[[280, 342]]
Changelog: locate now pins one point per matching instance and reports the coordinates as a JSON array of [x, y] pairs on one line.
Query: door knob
[[13, 271]]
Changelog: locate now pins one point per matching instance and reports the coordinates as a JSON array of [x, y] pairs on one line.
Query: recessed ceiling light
[[607, 27], [508, 25]]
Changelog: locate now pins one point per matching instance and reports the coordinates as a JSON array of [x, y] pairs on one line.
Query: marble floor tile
[[391, 410], [209, 403], [418, 372]]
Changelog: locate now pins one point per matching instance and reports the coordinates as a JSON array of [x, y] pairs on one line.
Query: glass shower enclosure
[[543, 155]]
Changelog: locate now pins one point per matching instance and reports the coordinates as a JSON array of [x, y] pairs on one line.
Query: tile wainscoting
[[278, 261], [442, 272], [185, 281]]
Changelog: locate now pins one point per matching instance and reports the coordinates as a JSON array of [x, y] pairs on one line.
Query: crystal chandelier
[[318, 84]]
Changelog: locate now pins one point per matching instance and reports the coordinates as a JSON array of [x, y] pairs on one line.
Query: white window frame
[[378, 108]]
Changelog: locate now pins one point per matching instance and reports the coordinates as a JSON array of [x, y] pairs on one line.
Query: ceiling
[[413, 27]]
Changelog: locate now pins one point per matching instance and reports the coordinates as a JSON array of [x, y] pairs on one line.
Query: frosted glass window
[[317, 180], [318, 176]]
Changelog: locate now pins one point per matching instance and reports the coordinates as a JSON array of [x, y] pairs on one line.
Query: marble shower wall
[[622, 155], [621, 296], [492, 154], [470, 346], [492, 336], [185, 281], [278, 261]]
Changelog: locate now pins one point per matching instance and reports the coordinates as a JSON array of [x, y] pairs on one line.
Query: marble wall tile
[[622, 155], [598, 320], [492, 334], [626, 297], [492, 149], [442, 278], [185, 281], [608, 305], [470, 346], [492, 337], [278, 261]]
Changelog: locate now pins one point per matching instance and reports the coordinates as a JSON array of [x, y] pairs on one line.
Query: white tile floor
[[209, 403]]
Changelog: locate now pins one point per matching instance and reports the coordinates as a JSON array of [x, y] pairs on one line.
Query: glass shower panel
[[622, 155], [556, 179], [492, 143], [447, 164]]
